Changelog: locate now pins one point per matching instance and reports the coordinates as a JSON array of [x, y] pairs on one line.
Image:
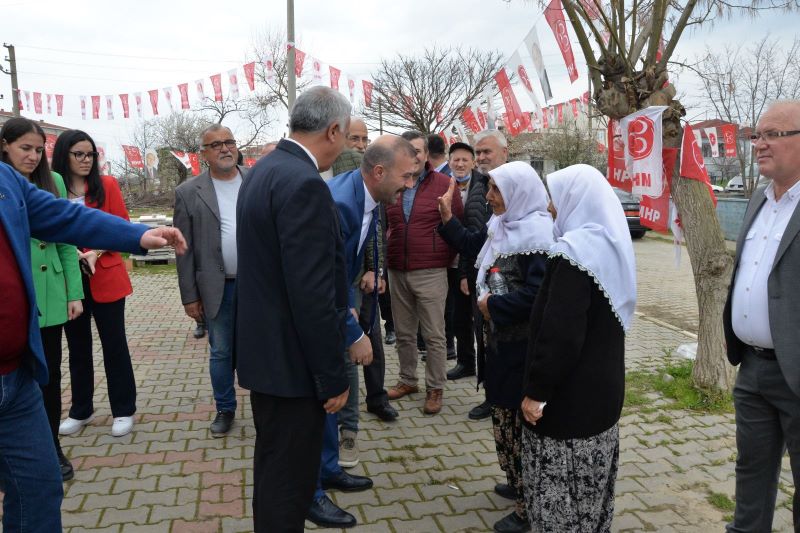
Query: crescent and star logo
[[563, 38], [523, 76], [640, 137]]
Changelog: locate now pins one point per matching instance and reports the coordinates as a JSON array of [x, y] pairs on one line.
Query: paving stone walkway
[[431, 473]]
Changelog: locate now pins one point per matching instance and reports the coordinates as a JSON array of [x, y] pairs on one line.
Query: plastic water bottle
[[497, 282]]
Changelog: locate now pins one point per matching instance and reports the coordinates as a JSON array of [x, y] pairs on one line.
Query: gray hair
[[212, 128], [411, 135], [495, 134], [790, 107], [317, 108], [385, 153]]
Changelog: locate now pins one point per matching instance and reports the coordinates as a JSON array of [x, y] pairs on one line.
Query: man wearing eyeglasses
[[205, 212], [760, 321]]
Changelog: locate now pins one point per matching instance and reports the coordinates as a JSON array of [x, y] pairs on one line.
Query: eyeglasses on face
[[83, 156], [217, 145], [769, 136]]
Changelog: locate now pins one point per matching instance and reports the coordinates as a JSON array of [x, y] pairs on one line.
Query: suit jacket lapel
[[205, 190], [788, 235]]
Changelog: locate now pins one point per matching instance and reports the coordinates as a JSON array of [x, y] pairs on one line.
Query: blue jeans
[[220, 341], [348, 415], [29, 473], [329, 465]]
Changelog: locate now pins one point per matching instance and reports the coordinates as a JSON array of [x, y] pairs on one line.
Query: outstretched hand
[[162, 236], [446, 201]]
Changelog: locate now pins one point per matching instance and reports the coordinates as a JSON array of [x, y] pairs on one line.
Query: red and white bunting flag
[[729, 136], [516, 67], [574, 103], [154, 100], [233, 82], [137, 98], [194, 159], [654, 211], [491, 113], [299, 60], [482, 119], [560, 112], [545, 117], [183, 90], [126, 110], [367, 88], [269, 69], [96, 107], [83, 107], [642, 134], [462, 133], [50, 145], [37, 103], [535, 50], [351, 84], [216, 83], [201, 93], [27, 99], [102, 162], [20, 96], [134, 156], [713, 141], [693, 166], [469, 118], [335, 73], [168, 97], [555, 17], [617, 172], [250, 75], [110, 107], [49, 104], [183, 157], [316, 69], [59, 104], [585, 98], [516, 121], [592, 8]]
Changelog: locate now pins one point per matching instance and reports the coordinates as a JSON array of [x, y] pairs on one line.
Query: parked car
[[717, 188], [630, 204], [735, 184]]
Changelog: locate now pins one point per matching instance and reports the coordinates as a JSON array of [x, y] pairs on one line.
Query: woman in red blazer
[[105, 286]]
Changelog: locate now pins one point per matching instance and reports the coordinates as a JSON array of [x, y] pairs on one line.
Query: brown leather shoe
[[433, 402], [400, 390]]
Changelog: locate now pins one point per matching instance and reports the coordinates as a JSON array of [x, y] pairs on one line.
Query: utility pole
[[12, 71], [290, 55]]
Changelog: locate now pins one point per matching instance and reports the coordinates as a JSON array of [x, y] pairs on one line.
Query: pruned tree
[[430, 91], [738, 84], [567, 144], [629, 72], [247, 117], [270, 45]]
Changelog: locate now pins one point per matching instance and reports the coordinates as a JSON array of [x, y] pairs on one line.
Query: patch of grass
[[721, 501], [679, 390], [664, 419], [394, 459], [155, 269]]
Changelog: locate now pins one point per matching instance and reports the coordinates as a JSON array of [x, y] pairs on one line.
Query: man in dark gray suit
[[761, 324], [205, 212], [291, 306]]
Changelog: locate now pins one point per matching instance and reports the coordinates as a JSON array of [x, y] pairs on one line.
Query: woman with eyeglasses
[[105, 286], [56, 276]]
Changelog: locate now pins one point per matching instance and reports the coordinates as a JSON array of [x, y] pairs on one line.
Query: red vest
[[415, 244]]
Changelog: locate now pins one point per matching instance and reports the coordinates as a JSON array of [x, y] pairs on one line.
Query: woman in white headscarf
[[576, 358], [517, 239]]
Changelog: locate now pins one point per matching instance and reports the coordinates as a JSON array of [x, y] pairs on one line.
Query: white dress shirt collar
[[314, 159]]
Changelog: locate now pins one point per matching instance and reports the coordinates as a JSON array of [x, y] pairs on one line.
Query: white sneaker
[[122, 426], [72, 425]]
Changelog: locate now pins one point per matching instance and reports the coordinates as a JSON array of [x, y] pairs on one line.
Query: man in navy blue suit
[[388, 168], [30, 475]]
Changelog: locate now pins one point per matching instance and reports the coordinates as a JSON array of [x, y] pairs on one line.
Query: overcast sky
[[101, 48]]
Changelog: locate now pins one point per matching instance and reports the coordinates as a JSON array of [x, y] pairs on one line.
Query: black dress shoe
[[347, 483], [512, 523], [506, 491], [325, 513], [200, 331], [222, 423], [67, 472], [481, 411], [384, 411], [390, 338], [460, 371]]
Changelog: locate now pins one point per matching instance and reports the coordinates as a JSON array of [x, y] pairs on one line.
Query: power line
[[103, 66], [84, 52]]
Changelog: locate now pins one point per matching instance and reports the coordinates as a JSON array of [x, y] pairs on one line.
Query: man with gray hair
[[291, 306], [205, 212]]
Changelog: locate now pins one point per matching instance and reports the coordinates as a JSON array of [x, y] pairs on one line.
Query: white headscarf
[[525, 227], [591, 231]]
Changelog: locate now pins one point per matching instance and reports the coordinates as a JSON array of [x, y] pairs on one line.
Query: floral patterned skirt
[[569, 483], [507, 430]]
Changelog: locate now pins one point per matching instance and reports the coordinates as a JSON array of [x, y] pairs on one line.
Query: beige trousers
[[418, 299]]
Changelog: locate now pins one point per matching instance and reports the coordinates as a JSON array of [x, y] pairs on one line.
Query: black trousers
[[110, 321], [374, 373], [458, 320], [385, 302], [285, 461], [51, 393]]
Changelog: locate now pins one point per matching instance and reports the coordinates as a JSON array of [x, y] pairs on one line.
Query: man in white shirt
[[205, 211], [760, 321]]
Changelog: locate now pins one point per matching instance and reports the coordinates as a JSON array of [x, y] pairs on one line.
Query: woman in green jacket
[[56, 274]]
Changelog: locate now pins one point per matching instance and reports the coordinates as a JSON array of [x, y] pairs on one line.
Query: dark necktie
[[374, 307]]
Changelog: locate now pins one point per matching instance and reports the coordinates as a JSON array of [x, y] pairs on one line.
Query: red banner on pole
[[367, 86], [96, 106], [37, 103], [335, 73], [126, 110], [560, 112], [516, 121], [249, 75], [729, 136], [654, 212], [134, 156], [545, 118], [470, 120], [154, 100], [299, 59], [216, 83], [574, 103], [183, 90], [555, 17], [194, 160]]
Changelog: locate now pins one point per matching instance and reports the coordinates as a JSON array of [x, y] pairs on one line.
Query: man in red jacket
[[417, 259]]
